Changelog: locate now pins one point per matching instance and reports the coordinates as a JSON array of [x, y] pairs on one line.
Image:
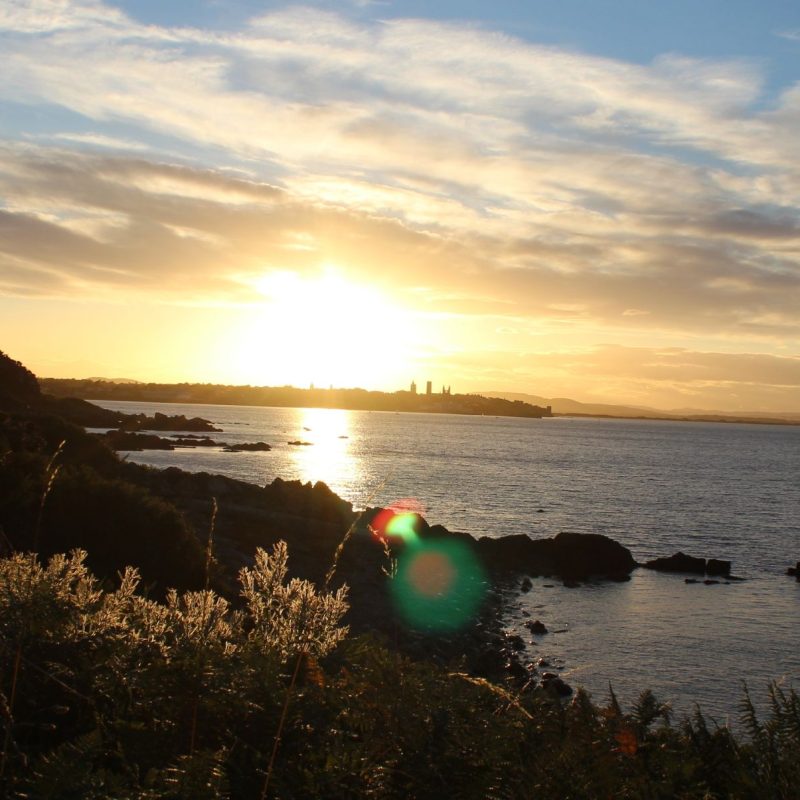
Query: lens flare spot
[[390, 523], [431, 574], [403, 525], [439, 584]]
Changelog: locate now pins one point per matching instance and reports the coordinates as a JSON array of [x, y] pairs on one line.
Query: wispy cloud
[[542, 183]]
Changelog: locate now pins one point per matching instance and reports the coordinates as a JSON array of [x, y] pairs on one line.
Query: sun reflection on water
[[324, 453]]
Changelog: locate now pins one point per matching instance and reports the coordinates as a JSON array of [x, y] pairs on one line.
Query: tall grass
[[50, 473]]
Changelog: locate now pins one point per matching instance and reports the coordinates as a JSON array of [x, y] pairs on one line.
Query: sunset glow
[[528, 198], [322, 330]]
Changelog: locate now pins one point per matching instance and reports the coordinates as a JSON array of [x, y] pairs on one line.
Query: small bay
[[729, 491]]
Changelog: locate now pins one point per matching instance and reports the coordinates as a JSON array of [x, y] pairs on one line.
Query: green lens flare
[[402, 525], [439, 584]]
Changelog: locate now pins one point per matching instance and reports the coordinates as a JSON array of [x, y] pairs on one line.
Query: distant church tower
[[429, 387], [413, 387]]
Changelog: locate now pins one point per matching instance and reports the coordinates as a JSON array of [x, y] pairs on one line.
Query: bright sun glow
[[324, 330]]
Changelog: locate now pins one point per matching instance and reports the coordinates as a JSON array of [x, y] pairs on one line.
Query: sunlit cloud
[[484, 182]]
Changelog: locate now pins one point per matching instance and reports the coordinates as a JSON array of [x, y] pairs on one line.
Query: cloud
[[99, 140], [100, 220], [503, 179]]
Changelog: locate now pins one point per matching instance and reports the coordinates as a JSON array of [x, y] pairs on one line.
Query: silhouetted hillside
[[291, 397]]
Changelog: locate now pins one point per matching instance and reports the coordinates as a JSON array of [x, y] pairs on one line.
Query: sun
[[324, 330]]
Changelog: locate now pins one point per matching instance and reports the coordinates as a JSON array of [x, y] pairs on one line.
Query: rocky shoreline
[[328, 541]]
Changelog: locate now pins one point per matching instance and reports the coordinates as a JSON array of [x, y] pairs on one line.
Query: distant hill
[[113, 380], [782, 416], [563, 405]]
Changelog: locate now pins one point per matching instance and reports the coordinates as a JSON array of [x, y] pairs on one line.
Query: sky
[[597, 200]]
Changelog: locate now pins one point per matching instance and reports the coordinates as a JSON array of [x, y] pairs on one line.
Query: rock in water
[[576, 556], [580, 555], [536, 626], [680, 562], [716, 567]]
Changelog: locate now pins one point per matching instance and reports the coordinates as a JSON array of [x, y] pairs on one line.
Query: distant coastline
[[363, 400], [291, 397]]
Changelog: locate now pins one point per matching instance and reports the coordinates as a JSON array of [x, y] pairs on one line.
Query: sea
[[714, 490]]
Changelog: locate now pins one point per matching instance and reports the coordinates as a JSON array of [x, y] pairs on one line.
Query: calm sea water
[[712, 490]]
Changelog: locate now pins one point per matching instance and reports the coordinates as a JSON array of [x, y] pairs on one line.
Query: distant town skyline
[[596, 201]]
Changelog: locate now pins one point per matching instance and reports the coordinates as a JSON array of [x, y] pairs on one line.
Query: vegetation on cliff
[[110, 694]]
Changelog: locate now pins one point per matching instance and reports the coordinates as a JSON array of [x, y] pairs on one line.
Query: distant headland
[[499, 404], [444, 402]]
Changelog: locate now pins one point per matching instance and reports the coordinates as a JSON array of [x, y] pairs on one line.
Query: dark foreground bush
[[108, 694]]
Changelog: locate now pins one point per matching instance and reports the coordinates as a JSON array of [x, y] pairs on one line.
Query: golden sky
[[361, 196]]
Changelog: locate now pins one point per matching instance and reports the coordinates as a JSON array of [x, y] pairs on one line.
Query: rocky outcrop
[[536, 626], [556, 684], [247, 447], [715, 566], [574, 556], [133, 442], [163, 422], [194, 441], [679, 562], [795, 570]]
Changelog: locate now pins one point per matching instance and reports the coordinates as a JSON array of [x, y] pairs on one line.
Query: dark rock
[[576, 556], [691, 580], [163, 422], [581, 555], [517, 671], [553, 683], [299, 443], [709, 582], [795, 570], [543, 662], [123, 440], [569, 583], [527, 585], [248, 447], [536, 626], [716, 567], [489, 661], [516, 642], [195, 441], [679, 562]]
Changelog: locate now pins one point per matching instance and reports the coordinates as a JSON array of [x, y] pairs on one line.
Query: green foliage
[[111, 694]]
